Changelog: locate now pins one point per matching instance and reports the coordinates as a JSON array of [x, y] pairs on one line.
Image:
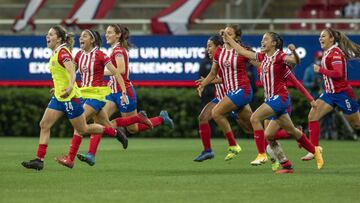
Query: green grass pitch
[[162, 170]]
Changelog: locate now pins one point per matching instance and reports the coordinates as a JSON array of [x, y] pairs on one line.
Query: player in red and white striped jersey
[[118, 37], [273, 71], [237, 84], [338, 92]]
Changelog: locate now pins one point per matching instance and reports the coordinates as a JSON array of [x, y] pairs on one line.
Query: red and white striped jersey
[[273, 72], [233, 67], [91, 66], [119, 51], [334, 57], [220, 90]]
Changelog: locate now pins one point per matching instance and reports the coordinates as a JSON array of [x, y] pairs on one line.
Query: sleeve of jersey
[[118, 53], [64, 56], [291, 77], [260, 56], [105, 59], [77, 57], [337, 71], [216, 55]]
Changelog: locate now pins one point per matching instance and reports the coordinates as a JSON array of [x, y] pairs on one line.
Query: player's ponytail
[[67, 38], [351, 49]]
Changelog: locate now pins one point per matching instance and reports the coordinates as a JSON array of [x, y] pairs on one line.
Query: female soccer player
[[67, 98], [237, 84], [273, 71], [91, 62], [118, 37], [337, 49], [205, 115]]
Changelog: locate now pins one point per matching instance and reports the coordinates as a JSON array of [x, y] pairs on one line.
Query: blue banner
[[154, 60]]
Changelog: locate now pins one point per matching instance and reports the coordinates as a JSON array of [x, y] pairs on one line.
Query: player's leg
[[205, 132]]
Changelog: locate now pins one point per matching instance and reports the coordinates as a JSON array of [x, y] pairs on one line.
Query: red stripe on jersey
[[233, 67], [115, 87], [273, 71], [91, 66], [335, 55]]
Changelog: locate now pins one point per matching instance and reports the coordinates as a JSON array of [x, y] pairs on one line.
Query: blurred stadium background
[[169, 47]]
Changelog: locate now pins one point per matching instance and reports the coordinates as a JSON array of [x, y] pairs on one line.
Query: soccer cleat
[[260, 159], [308, 157], [232, 152], [65, 161], [36, 164], [286, 168], [144, 119], [121, 137], [167, 120], [275, 165], [87, 158], [283, 171], [208, 154], [318, 157]]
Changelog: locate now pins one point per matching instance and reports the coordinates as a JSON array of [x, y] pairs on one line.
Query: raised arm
[[241, 50], [294, 57]]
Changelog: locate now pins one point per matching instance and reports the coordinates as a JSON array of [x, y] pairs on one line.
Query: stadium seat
[[338, 2]]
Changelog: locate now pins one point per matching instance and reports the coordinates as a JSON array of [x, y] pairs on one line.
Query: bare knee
[[254, 119], [312, 115], [215, 114], [203, 117], [355, 125], [44, 125]]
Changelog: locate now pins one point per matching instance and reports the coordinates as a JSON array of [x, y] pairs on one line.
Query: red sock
[[281, 134], [109, 131], [286, 164], [156, 121], [205, 135], [126, 121], [314, 131], [41, 151], [74, 147], [93, 144], [259, 140], [231, 139], [306, 144]]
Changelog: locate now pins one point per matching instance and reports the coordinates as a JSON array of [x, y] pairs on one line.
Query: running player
[[338, 48]]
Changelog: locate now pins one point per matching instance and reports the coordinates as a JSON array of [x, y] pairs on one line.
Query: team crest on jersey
[[227, 63], [84, 68], [53, 63]]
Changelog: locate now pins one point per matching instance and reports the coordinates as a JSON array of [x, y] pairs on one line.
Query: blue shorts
[[239, 98], [72, 109], [279, 105], [347, 104], [95, 104], [215, 100], [130, 106]]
